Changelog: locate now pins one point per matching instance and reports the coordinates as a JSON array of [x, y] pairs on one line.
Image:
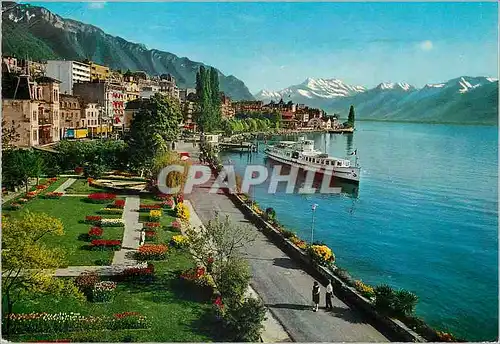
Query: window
[[35, 135], [83, 122], [34, 115]]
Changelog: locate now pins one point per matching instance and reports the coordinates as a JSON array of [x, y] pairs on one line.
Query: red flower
[[78, 170], [150, 234], [41, 187], [93, 218], [105, 243], [119, 203], [126, 314], [95, 231], [151, 224], [218, 302], [150, 206], [102, 196], [210, 260]]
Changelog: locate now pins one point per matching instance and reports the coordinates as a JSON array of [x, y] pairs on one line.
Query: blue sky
[[275, 45]]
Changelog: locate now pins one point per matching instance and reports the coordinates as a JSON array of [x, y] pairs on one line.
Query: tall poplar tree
[[350, 118], [208, 115]]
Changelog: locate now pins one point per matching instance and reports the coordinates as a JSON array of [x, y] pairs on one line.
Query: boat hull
[[350, 174]]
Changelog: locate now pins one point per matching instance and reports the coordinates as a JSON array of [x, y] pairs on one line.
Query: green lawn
[[178, 313], [72, 211], [80, 186]]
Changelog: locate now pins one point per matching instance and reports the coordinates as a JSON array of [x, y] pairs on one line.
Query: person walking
[[329, 294], [315, 295]]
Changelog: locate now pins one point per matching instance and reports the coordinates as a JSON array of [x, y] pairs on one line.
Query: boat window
[[328, 162]]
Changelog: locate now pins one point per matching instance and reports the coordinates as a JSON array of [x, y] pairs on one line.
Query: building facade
[[98, 72], [227, 110], [71, 115], [248, 106], [68, 73], [23, 115]]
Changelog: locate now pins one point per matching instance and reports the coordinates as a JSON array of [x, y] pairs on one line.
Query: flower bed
[[147, 207], [23, 200], [182, 211], [41, 187], [176, 225], [365, 290], [100, 244], [53, 195], [103, 291], [93, 219], [69, 322], [162, 197], [111, 211], [151, 226], [321, 254], [31, 194], [101, 197], [298, 242], [150, 236], [95, 233], [154, 215], [119, 203], [179, 198], [168, 204], [193, 274], [179, 241], [143, 274], [151, 252], [112, 223]]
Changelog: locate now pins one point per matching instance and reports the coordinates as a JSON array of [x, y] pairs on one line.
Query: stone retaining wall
[[394, 329]]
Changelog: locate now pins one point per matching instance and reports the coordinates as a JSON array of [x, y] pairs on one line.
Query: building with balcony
[[109, 97], [48, 112], [22, 114], [168, 87], [68, 73], [71, 115], [98, 72]]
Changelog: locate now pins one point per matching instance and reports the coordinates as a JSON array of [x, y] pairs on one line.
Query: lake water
[[425, 217]]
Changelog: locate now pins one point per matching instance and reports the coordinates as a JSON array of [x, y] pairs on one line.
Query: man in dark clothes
[[315, 295]]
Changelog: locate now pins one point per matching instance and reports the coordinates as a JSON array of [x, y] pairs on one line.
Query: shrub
[[182, 211], [112, 223], [193, 274], [93, 219], [101, 197], [445, 337], [179, 241], [242, 322], [86, 281], [233, 279], [101, 244], [154, 215], [103, 291], [384, 298], [270, 214], [151, 252], [321, 254], [404, 302], [365, 290], [95, 233]]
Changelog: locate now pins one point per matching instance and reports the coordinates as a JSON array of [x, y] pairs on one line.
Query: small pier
[[340, 131], [240, 147]]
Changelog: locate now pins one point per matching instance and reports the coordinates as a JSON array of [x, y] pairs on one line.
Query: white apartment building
[[69, 73]]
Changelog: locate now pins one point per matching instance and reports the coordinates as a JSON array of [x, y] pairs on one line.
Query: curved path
[[285, 287]]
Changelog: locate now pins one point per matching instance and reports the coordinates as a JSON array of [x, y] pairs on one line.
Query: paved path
[[62, 188], [285, 287], [273, 332], [109, 270], [131, 233]]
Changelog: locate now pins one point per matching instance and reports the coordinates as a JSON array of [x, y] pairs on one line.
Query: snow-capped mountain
[[461, 100], [313, 92]]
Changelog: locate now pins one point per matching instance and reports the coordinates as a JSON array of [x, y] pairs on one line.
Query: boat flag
[[355, 152]]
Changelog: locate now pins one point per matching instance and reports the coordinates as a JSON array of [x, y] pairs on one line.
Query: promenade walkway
[[285, 287]]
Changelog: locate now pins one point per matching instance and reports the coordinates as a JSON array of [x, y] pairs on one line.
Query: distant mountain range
[[461, 100], [41, 35]]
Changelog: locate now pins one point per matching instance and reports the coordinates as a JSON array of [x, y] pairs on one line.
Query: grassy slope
[[71, 211]]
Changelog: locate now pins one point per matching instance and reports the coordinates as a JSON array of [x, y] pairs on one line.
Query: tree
[[156, 122], [20, 165], [25, 260], [243, 321], [164, 159], [9, 134], [350, 118], [208, 113], [221, 241]]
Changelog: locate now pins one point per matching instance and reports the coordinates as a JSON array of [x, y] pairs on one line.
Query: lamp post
[[314, 206]]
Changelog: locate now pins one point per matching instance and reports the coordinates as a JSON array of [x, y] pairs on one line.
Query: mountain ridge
[[41, 34], [464, 99]]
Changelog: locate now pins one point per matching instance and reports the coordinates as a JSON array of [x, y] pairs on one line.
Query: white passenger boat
[[302, 154]]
